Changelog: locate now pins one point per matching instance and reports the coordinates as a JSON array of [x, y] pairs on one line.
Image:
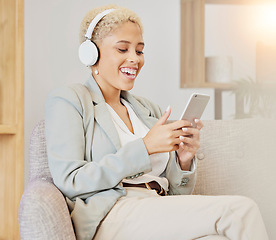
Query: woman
[[118, 162]]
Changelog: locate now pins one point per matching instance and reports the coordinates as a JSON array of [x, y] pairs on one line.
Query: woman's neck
[[111, 95], [112, 100]]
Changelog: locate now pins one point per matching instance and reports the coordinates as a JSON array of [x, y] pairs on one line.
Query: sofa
[[236, 157]]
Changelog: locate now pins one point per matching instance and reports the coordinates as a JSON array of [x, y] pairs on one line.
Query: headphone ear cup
[[88, 53]]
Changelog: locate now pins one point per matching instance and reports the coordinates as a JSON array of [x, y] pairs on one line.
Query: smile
[[130, 72]]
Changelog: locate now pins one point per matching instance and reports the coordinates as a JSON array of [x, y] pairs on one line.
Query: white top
[[158, 160]]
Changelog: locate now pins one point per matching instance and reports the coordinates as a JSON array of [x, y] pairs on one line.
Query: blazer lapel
[[101, 113], [102, 116], [143, 113]]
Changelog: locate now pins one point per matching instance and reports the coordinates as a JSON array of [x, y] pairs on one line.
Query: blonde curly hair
[[109, 23]]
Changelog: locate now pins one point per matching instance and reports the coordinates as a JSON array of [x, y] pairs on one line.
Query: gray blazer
[[86, 159]]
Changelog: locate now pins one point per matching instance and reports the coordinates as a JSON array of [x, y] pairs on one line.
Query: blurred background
[[224, 48], [239, 49]]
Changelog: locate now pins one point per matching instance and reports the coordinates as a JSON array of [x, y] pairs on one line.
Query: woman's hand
[[189, 145], [164, 137]]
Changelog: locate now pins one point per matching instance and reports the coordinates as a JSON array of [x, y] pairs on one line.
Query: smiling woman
[[116, 158]]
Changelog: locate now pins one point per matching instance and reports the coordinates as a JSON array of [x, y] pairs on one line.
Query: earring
[[96, 72]]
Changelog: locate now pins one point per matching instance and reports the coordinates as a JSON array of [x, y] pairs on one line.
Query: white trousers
[[144, 215]]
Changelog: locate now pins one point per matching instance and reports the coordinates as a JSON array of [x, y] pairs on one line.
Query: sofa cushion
[[238, 157]]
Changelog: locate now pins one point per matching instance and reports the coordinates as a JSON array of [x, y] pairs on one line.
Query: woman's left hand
[[189, 145]]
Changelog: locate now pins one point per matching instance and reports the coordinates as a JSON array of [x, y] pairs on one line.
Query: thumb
[[162, 120]]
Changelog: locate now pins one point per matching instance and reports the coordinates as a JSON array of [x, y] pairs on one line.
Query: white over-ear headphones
[[88, 51]]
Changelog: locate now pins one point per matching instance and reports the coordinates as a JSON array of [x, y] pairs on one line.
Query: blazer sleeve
[[65, 137], [180, 182]]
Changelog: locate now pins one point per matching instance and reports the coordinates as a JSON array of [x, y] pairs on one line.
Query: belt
[[150, 185]]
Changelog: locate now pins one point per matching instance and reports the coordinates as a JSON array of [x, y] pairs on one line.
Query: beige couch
[[236, 157]]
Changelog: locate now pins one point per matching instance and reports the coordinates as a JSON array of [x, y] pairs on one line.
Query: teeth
[[129, 71]]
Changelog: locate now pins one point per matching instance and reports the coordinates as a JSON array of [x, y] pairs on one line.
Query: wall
[[51, 46], [229, 32], [235, 30]]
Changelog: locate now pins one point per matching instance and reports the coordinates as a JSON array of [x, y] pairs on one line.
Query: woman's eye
[[139, 52], [122, 50]]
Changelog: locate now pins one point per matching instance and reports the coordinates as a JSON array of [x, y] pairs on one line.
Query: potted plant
[[259, 99]]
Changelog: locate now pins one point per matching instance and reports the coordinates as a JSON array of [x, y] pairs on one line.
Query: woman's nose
[[133, 58]]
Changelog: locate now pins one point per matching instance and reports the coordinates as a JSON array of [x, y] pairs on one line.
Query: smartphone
[[195, 107]]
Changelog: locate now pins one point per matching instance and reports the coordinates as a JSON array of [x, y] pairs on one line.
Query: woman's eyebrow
[[123, 41], [128, 42]]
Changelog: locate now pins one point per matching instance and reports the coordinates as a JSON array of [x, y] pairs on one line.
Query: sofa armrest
[[43, 213]]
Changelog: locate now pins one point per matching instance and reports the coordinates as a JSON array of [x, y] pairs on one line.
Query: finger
[[192, 132], [177, 133], [199, 124], [190, 142], [180, 124], [188, 148], [162, 120]]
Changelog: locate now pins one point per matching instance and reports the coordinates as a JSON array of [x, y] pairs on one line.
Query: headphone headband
[[95, 21], [88, 51]]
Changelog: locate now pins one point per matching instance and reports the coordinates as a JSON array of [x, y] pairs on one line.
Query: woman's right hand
[[164, 137]]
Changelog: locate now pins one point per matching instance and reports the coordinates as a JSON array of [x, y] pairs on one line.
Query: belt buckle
[[160, 193]]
